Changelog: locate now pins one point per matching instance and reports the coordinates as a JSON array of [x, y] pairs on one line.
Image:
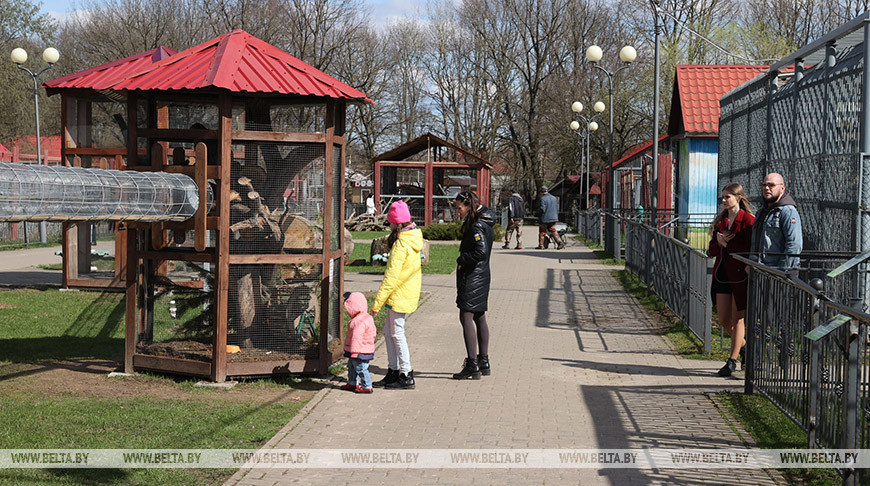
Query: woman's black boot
[[403, 382], [729, 368], [483, 364], [392, 377], [469, 370]]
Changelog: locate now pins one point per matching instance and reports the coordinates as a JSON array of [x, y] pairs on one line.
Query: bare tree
[[21, 25], [461, 91], [367, 66], [525, 42], [406, 46]]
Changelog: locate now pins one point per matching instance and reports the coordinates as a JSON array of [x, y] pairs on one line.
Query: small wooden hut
[[429, 184]]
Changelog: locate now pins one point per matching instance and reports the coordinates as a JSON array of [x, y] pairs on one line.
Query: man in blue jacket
[[549, 217], [777, 236]]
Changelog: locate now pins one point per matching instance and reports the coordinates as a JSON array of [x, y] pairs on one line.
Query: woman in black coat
[[472, 282]]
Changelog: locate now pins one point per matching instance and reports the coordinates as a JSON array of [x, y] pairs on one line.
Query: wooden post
[[377, 181], [129, 263], [328, 269], [158, 233], [199, 219], [429, 189], [341, 137], [132, 291], [222, 265]]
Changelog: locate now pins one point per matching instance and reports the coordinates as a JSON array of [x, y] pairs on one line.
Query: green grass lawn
[[41, 327], [103, 264], [772, 429], [368, 235], [442, 259]]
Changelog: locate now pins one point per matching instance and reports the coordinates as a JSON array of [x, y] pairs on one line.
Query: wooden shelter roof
[[102, 77], [424, 142], [239, 62]]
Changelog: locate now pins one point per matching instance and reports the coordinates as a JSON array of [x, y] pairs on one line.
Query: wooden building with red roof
[[693, 127], [429, 183], [257, 282]]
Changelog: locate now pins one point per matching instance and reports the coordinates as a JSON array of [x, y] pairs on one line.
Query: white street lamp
[[594, 53], [50, 56], [627, 55], [591, 126]]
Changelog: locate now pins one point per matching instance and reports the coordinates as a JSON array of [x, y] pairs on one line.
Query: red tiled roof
[[105, 75], [636, 149], [239, 62], [697, 90]]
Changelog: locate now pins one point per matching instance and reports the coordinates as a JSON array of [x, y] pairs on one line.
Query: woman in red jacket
[[731, 233]]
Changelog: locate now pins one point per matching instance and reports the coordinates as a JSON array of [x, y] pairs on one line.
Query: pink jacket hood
[[356, 302]]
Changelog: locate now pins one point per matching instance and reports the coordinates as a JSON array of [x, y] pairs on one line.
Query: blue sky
[[382, 11]]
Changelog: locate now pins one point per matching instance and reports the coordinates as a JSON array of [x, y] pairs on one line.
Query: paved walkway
[[20, 267], [575, 365]]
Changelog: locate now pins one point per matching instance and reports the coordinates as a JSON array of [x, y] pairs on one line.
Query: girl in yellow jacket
[[400, 293]]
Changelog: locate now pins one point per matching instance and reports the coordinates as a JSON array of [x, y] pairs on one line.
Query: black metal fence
[[809, 354], [679, 274], [590, 224]]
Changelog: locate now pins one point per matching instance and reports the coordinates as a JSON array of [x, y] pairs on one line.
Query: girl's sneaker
[[349, 387], [360, 389]]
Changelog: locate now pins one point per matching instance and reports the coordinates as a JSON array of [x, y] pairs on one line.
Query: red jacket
[[742, 229]]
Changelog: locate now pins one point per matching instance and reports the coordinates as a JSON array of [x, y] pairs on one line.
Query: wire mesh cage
[[274, 311], [179, 322], [803, 123], [33, 192], [280, 118], [280, 198]]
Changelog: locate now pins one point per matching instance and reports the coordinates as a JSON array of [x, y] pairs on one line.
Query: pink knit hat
[[399, 213]]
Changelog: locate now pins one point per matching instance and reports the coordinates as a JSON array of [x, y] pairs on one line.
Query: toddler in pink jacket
[[359, 344]]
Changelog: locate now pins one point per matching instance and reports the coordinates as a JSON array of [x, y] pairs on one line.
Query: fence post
[[852, 389], [707, 278], [617, 239], [814, 379], [749, 333]]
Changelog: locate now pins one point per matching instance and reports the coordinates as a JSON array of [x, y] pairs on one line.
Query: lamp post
[[50, 56], [591, 126], [627, 55], [655, 147]]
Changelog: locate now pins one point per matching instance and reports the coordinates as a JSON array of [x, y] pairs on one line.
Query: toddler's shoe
[[349, 387], [360, 389]]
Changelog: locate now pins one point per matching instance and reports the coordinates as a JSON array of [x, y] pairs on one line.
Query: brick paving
[[576, 364]]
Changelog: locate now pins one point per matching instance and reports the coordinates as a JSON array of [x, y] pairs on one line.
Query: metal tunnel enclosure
[[55, 193]]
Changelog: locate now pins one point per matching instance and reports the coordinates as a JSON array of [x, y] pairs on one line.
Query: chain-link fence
[[803, 119]]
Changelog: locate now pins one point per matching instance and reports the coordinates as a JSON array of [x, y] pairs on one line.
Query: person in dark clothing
[[516, 213], [777, 236], [731, 234], [472, 282], [549, 218]]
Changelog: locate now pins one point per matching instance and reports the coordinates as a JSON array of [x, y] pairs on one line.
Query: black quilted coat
[[472, 278]]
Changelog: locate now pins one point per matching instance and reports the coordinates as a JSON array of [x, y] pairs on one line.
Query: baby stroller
[[561, 228]]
